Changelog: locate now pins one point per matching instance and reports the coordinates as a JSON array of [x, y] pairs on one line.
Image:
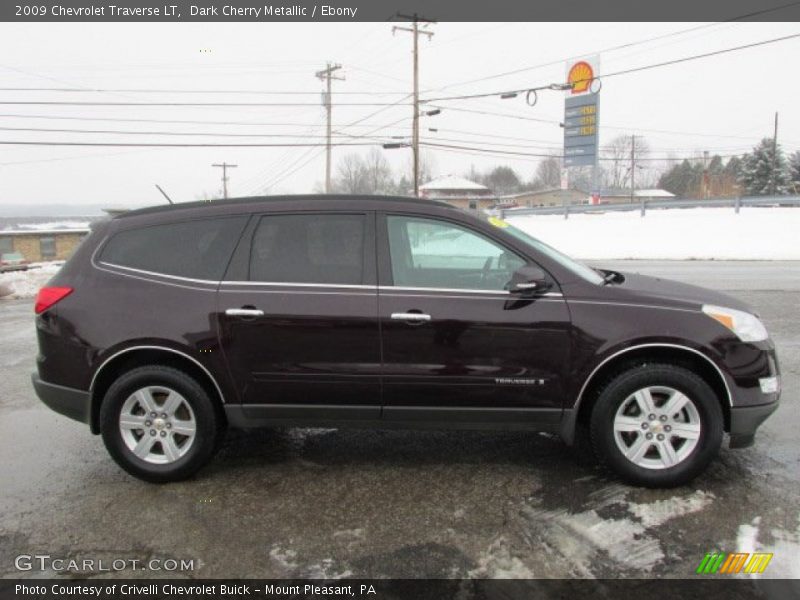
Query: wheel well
[[140, 357], [669, 355]]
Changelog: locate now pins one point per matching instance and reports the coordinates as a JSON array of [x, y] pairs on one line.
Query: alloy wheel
[[157, 424], [657, 427]]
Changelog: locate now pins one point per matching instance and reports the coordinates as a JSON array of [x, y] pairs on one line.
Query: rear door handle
[[410, 316], [244, 312]]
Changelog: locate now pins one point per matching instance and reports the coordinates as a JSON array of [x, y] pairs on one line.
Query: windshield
[[580, 269]]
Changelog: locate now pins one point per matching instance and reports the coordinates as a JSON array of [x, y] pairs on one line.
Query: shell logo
[[580, 76]]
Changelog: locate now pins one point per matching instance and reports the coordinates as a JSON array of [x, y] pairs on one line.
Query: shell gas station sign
[[581, 112]]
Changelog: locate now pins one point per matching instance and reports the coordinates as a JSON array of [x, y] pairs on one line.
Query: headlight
[[747, 327]]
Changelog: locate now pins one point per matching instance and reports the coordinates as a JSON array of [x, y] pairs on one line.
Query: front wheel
[[159, 424], [657, 425]]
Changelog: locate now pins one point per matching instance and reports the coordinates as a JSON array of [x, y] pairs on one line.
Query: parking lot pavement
[[335, 503]]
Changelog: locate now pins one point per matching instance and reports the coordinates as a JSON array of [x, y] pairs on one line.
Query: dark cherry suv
[[170, 324]]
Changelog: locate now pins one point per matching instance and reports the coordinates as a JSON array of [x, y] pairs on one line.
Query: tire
[[681, 443], [173, 445]]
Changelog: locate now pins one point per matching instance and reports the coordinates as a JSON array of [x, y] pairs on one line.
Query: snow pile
[[54, 225], [25, 284], [679, 234]]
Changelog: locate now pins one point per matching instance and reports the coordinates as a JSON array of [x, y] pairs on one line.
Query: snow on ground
[[25, 284], [660, 511], [497, 562], [785, 546], [630, 539], [756, 233]]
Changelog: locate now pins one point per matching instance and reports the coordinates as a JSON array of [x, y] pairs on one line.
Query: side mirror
[[529, 280]]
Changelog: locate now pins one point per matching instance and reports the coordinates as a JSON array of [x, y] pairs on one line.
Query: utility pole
[[415, 30], [327, 75], [633, 165], [224, 166], [773, 178], [706, 181]]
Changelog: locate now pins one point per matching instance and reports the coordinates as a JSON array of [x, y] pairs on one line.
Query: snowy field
[[676, 234], [25, 284]]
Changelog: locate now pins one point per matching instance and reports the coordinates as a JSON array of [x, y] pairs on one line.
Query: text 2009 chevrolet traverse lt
[[170, 324]]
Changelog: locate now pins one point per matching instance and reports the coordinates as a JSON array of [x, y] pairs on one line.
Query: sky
[[723, 104]]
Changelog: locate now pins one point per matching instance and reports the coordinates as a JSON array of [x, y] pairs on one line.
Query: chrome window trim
[[156, 274], [152, 280], [150, 347], [386, 288], [293, 284], [99, 265], [653, 345]]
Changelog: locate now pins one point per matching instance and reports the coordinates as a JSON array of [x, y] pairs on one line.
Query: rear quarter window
[[194, 249]]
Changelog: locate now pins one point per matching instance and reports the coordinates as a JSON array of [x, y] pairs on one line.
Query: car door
[[457, 345], [298, 314]]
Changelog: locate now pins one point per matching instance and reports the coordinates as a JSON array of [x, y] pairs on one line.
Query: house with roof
[[459, 192]]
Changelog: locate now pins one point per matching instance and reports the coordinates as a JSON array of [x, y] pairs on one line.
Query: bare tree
[[350, 175], [377, 173], [548, 173], [427, 167], [618, 160]]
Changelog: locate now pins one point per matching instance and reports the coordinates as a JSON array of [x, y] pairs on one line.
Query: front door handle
[[244, 312], [411, 316]]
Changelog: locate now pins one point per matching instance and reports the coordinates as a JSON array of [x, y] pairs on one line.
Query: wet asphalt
[[360, 503]]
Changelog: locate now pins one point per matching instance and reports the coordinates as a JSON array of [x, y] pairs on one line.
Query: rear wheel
[[657, 425], [159, 424]]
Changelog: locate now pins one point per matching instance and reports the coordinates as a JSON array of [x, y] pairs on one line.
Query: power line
[[622, 72], [541, 155], [237, 104], [699, 56], [172, 121], [623, 46], [172, 133], [185, 91], [494, 114], [177, 145]]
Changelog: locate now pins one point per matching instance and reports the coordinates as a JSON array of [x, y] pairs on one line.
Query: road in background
[[361, 503]]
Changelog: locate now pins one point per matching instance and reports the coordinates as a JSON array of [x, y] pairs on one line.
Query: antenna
[[163, 193]]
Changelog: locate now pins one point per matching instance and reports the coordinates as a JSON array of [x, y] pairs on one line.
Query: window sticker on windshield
[[497, 222]]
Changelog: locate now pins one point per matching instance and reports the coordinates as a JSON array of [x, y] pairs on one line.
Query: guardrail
[[644, 205]]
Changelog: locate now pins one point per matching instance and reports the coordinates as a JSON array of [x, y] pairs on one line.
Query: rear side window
[[311, 248], [195, 249]]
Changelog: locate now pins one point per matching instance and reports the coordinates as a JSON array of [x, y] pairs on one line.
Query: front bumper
[[745, 420], [75, 404]]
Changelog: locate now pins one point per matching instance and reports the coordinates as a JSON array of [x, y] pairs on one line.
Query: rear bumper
[[745, 420], [70, 402]]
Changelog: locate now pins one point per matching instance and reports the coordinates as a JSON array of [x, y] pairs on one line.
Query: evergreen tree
[[764, 172], [794, 172]]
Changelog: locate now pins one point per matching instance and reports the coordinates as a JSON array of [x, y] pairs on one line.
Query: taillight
[[48, 296]]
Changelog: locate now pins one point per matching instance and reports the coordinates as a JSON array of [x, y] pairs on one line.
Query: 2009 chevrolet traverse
[[171, 323]]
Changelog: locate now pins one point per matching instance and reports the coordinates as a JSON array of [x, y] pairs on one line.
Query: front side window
[[47, 247], [429, 253], [193, 249], [310, 248]]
